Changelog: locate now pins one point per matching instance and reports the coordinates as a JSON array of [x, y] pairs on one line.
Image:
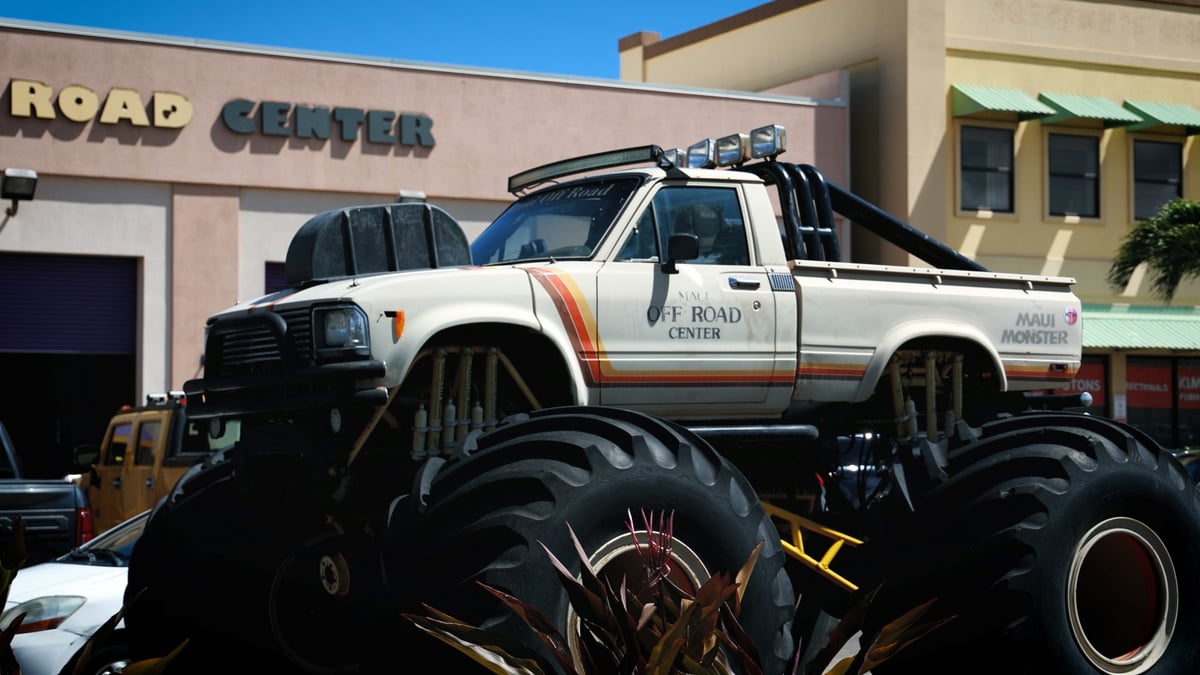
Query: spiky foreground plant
[[676, 634], [619, 633]]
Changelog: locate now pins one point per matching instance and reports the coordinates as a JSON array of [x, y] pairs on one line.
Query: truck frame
[[672, 331]]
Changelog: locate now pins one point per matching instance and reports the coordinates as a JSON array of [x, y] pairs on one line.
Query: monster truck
[[663, 331]]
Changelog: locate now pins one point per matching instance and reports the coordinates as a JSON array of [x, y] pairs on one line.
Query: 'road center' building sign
[[170, 110]]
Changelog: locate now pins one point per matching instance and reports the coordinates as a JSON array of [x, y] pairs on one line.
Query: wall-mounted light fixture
[[17, 185]]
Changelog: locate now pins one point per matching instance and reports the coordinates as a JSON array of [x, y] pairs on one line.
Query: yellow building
[[1029, 134]]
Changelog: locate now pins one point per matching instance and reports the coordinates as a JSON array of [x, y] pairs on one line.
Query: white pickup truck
[[670, 331]]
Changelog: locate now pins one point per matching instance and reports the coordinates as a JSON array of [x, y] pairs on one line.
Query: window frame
[[1096, 136], [659, 214], [960, 184], [1134, 139]]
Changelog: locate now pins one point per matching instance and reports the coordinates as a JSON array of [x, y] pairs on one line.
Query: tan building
[[172, 174], [1029, 134]]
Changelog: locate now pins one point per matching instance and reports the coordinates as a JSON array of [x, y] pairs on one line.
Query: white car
[[68, 599]]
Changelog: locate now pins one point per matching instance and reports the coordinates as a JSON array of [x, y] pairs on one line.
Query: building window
[[274, 277], [1074, 175], [987, 178], [1157, 175]]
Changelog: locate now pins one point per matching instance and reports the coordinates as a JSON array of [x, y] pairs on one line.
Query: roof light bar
[[731, 149], [762, 142], [768, 141], [599, 160], [702, 155]]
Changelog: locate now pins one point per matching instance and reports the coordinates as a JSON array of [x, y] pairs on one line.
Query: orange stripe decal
[[830, 371], [580, 324]]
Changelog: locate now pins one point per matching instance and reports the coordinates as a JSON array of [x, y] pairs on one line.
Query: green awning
[[967, 100], [1156, 114], [1071, 107], [1126, 327]]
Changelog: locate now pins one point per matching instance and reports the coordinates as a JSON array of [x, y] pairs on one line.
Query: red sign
[[1149, 386], [1189, 387], [1089, 378]]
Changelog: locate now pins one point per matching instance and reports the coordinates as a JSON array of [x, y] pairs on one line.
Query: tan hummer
[[144, 451]]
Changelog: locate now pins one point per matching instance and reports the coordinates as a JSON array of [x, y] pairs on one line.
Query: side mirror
[[84, 456], [681, 246]]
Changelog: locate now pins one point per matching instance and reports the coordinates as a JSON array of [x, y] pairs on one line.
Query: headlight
[[340, 332], [42, 613]]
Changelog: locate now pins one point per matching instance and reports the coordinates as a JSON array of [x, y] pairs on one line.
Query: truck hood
[[350, 289], [55, 578]]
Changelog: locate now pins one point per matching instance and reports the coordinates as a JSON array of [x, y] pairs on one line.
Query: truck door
[[702, 335], [105, 494], [139, 489]]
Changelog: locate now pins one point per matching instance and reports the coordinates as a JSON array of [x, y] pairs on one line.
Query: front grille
[[300, 329], [248, 346]]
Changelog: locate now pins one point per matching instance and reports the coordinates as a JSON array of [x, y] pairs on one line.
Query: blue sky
[[566, 38]]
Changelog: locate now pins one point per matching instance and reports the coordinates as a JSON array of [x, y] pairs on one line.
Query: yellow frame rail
[[797, 525]]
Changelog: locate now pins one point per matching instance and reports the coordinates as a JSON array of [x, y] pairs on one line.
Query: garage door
[[68, 304]]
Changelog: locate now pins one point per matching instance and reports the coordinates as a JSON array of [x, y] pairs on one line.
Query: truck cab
[[144, 451]]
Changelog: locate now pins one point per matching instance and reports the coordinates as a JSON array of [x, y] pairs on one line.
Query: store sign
[[30, 98], [1189, 387], [272, 118], [1090, 378], [1149, 386]]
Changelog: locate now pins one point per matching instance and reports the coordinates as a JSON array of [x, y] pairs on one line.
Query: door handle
[[117, 483], [742, 282], [150, 482]]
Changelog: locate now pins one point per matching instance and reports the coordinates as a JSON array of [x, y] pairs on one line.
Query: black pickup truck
[[55, 512]]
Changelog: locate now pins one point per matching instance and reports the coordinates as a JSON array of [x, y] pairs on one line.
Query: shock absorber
[[436, 391]]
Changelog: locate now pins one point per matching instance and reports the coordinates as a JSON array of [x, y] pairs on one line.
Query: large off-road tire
[[1061, 544], [216, 569], [486, 516]]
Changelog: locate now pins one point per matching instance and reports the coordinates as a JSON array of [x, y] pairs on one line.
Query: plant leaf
[[851, 623], [743, 577], [739, 643], [156, 666], [8, 660], [842, 667], [12, 558], [898, 634], [483, 647], [588, 602], [541, 625]]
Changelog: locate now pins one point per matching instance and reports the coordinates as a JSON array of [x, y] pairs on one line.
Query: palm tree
[[1168, 243]]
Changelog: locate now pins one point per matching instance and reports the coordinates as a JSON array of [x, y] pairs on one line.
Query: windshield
[[563, 222], [113, 547]]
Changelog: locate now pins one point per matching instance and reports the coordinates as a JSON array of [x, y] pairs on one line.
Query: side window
[[118, 444], [1157, 175], [986, 169], [640, 245], [195, 439], [1074, 180], [714, 215], [148, 434]]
